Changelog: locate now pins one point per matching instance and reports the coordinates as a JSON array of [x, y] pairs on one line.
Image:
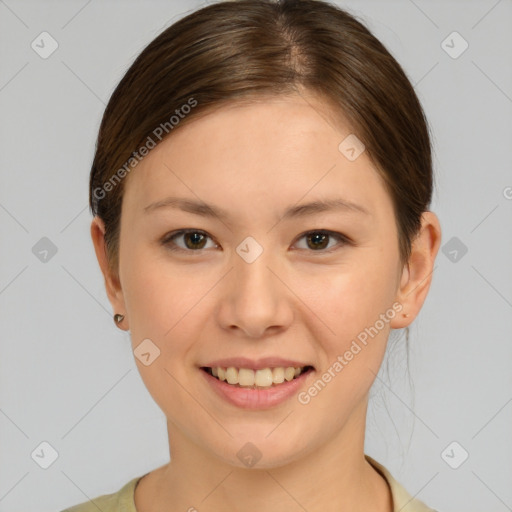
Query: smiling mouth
[[256, 379]]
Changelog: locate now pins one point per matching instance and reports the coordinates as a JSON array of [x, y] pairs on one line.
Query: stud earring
[[118, 318]]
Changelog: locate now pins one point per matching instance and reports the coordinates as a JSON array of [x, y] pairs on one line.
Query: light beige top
[[123, 500]]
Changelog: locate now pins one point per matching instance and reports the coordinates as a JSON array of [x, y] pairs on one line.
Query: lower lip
[[263, 398]]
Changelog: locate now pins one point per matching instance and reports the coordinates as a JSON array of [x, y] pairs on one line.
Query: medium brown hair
[[243, 49]]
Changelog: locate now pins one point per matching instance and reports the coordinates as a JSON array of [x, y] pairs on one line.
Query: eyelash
[[168, 240]]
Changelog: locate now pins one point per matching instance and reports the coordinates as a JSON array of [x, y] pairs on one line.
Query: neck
[[334, 476]]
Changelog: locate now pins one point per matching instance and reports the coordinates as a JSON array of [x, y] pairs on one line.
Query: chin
[[261, 450]]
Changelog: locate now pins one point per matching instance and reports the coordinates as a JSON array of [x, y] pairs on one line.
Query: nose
[[255, 300]]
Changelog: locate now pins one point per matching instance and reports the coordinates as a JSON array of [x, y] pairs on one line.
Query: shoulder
[[120, 501], [402, 500]]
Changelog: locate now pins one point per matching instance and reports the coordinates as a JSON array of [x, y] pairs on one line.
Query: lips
[[256, 383], [255, 396]]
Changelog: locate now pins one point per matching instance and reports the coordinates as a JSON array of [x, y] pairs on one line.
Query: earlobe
[[112, 283], [417, 273]]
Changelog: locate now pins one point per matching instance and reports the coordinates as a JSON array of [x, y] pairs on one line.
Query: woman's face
[[253, 283]]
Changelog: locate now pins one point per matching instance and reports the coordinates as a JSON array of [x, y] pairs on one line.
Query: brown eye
[[319, 240], [194, 240]]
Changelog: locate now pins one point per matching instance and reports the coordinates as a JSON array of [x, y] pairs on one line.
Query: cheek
[[158, 295], [163, 304], [354, 339], [350, 297]]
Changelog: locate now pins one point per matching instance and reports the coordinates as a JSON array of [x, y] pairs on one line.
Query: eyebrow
[[301, 210]]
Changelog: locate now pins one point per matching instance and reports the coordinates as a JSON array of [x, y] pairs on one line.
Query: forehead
[[278, 148]]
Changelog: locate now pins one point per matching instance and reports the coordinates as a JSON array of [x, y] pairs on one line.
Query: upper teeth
[[263, 378]]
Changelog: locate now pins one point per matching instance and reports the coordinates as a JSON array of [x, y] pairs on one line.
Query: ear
[[112, 282], [417, 273]]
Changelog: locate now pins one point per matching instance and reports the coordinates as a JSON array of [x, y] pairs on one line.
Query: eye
[[194, 240], [319, 240]]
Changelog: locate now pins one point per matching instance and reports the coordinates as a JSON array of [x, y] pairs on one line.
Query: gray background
[[67, 374]]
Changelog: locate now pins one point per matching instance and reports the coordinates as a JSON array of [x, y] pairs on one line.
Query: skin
[[294, 301]]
